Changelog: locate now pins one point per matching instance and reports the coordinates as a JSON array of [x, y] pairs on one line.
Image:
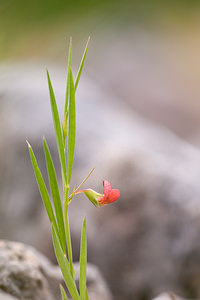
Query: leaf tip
[[44, 142], [28, 144], [84, 221], [48, 77]]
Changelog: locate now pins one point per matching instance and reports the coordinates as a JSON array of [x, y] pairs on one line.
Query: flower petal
[[112, 196], [106, 187]]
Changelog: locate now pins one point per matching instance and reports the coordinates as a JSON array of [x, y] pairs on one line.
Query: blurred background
[[153, 46], [138, 120]]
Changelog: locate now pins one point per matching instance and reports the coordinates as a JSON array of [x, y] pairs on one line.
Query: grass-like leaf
[[64, 127], [68, 76], [71, 129], [83, 262], [63, 294], [67, 94], [81, 65], [64, 266], [55, 195], [58, 130], [42, 188]]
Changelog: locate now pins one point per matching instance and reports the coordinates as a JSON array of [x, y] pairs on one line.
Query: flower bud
[[93, 196]]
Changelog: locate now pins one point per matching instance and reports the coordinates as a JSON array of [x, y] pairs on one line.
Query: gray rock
[[5, 296], [145, 243], [168, 296], [26, 274]]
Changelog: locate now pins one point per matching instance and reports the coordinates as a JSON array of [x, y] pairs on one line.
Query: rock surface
[[168, 296], [26, 274], [148, 241], [5, 296]]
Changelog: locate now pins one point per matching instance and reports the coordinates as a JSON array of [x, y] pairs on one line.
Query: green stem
[[68, 235]]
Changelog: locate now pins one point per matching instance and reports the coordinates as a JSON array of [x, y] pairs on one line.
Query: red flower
[[99, 199], [109, 194]]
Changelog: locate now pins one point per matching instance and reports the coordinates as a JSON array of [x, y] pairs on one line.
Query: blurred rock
[[149, 79], [168, 296], [145, 243], [5, 296], [27, 274], [24, 272]]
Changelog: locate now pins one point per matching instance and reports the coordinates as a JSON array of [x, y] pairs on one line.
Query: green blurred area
[[31, 29]]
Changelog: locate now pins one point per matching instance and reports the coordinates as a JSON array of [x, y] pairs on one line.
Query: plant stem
[[68, 235]]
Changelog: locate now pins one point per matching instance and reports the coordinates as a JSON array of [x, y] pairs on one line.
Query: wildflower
[[109, 195]]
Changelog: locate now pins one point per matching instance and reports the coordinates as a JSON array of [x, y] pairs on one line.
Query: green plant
[[58, 212]]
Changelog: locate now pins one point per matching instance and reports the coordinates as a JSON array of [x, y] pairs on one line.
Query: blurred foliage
[[30, 28]]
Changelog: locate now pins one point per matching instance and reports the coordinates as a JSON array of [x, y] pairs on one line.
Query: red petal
[[113, 195], [106, 187]]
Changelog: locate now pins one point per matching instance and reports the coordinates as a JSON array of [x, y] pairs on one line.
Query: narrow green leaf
[[64, 296], [64, 266], [83, 262], [42, 188], [55, 195], [68, 76], [71, 129], [64, 126], [81, 65], [58, 130]]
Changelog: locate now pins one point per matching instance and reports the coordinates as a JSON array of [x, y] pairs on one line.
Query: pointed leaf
[[42, 188], [81, 65], [58, 131], [64, 296], [55, 195], [83, 262], [71, 129], [64, 266], [68, 76]]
